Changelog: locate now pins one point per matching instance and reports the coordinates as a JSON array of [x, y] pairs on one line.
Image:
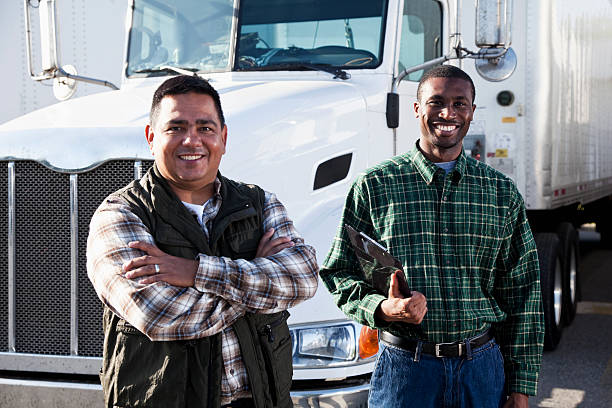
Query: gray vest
[[138, 372]]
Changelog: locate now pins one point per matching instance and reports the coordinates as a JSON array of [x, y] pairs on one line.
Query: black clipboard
[[377, 263]]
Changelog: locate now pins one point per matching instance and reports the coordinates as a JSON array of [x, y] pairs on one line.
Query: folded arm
[[265, 284], [159, 310]]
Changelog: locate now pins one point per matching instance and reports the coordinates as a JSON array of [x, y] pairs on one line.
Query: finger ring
[[156, 269]]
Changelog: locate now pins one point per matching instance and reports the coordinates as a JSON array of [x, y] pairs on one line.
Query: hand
[[517, 400], [396, 308], [172, 269], [268, 246]]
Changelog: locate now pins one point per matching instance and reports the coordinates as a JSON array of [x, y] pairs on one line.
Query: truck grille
[[43, 321], [3, 259]]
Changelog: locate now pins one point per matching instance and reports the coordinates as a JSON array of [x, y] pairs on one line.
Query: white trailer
[[314, 92]]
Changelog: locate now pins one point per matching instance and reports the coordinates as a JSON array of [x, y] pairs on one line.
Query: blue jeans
[[431, 382]]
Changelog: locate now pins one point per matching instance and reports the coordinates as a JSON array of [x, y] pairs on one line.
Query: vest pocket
[[147, 373], [275, 341]]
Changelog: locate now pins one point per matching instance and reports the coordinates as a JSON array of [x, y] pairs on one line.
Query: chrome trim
[[356, 396], [11, 256], [50, 384], [137, 170], [81, 170], [129, 17], [234, 36], [47, 363], [74, 265]]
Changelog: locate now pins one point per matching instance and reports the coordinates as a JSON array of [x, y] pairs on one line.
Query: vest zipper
[[267, 329]]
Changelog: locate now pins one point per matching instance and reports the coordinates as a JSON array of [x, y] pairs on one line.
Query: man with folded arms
[[196, 271]]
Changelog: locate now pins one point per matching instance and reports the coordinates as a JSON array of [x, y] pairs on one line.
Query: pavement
[[578, 374]]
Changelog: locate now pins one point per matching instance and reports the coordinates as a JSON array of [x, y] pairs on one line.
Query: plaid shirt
[[165, 312], [464, 242]]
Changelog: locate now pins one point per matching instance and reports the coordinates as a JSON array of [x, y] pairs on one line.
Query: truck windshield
[[189, 34], [338, 33], [195, 35]]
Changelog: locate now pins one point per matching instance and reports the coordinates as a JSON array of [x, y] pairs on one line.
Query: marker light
[[368, 342]]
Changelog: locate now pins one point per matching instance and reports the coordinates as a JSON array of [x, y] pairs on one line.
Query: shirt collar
[[217, 187], [428, 169]]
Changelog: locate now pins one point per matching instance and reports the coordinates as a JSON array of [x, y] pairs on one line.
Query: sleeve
[[517, 291], [159, 310], [341, 272], [266, 284]]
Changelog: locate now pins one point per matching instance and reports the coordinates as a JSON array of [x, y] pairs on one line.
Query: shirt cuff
[[211, 273], [523, 382], [368, 307]]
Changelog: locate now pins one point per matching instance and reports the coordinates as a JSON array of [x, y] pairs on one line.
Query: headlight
[[324, 345]]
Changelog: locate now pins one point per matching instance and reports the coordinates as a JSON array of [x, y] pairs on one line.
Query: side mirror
[[493, 23], [64, 78], [48, 43], [496, 61]]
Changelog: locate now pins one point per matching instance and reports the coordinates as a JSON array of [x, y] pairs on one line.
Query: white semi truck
[[314, 92]]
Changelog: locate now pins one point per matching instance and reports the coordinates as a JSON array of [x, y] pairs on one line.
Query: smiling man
[[196, 271], [471, 334]]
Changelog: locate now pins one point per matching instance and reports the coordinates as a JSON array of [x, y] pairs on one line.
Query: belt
[[456, 349], [240, 403]]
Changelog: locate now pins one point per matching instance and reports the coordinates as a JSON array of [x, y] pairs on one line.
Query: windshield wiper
[[170, 69], [293, 66]]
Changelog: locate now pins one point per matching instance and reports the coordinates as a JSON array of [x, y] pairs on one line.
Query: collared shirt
[[165, 312], [464, 242]]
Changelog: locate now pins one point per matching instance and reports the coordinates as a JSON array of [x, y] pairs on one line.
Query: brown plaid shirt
[[266, 285]]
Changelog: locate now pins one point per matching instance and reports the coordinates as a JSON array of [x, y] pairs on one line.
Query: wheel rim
[[558, 292], [573, 273]]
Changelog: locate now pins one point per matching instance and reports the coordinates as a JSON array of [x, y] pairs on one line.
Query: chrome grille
[[4, 258], [42, 260], [93, 187], [43, 317]]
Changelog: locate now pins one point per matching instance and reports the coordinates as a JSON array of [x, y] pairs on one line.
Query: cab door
[[420, 41]]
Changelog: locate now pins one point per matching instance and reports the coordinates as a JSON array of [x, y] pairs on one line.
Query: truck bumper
[[32, 393], [350, 396], [39, 394]]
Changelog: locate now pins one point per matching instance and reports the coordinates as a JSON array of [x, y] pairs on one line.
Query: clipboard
[[377, 263]]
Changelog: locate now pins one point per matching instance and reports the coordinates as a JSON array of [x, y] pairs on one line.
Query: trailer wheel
[[571, 257], [551, 281]]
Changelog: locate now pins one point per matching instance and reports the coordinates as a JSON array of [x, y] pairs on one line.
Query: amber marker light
[[368, 342]]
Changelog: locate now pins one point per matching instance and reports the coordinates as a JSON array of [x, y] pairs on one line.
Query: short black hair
[[445, 71], [184, 84]]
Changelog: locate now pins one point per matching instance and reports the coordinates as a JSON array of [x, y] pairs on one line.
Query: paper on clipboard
[[376, 262]]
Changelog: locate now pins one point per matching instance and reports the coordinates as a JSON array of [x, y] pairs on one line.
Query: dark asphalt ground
[[579, 372]]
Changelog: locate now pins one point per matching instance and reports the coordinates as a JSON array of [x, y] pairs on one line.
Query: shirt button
[[445, 198], [445, 229], [231, 371]]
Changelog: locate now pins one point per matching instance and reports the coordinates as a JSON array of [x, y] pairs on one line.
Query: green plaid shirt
[[464, 242]]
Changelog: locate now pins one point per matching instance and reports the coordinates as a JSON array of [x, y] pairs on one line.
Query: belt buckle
[[437, 348]]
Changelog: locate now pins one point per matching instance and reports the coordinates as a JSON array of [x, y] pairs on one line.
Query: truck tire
[[571, 258], [551, 281]]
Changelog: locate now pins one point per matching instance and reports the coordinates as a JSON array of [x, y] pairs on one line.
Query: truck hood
[[80, 133]]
